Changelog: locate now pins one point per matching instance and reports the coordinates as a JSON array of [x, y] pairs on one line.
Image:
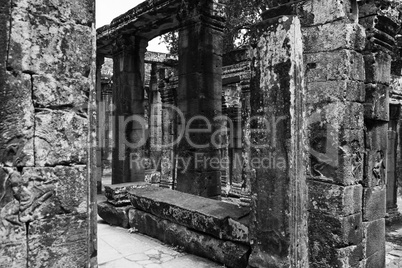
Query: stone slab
[[117, 194], [335, 231], [229, 253], [350, 257], [60, 138], [374, 236], [214, 217], [58, 242], [336, 65], [374, 203], [335, 199], [376, 106], [377, 260], [114, 215], [335, 91], [329, 237], [332, 36]]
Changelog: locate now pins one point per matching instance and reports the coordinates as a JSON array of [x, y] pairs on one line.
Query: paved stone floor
[[120, 249], [394, 243]]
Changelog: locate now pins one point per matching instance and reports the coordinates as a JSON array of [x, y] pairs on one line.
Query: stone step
[[117, 194], [231, 254], [219, 219]]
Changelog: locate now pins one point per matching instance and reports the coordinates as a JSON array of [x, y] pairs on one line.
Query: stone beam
[[148, 20]]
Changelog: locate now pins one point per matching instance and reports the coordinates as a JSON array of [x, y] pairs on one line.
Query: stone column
[[168, 95], [278, 227], [100, 123], [199, 97], [225, 169], [381, 24], [107, 102], [155, 118], [334, 68], [235, 149], [128, 96], [245, 126]]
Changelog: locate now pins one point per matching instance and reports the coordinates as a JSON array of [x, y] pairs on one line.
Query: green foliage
[[241, 14]]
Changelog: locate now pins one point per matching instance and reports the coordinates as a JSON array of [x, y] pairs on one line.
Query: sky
[[107, 10]]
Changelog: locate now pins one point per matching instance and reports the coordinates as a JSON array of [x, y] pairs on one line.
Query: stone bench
[[205, 227]]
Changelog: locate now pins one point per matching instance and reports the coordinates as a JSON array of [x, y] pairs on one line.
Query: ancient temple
[[285, 152]]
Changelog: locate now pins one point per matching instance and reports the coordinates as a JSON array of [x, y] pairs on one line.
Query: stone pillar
[[199, 97], [235, 149], [47, 134], [381, 27], [128, 96], [225, 169], [107, 102], [278, 227], [334, 68], [100, 123], [168, 95], [155, 118], [392, 175], [245, 126]]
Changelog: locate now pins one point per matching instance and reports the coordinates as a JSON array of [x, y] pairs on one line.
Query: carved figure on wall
[[379, 168], [30, 194]]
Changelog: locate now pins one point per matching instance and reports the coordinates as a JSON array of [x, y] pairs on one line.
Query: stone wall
[[46, 82]]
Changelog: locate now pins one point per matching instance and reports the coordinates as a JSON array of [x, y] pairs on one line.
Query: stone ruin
[[316, 94]]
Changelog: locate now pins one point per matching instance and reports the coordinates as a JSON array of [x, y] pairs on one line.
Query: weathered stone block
[[336, 231], [79, 12], [63, 91], [374, 237], [13, 249], [349, 257], [58, 242], [321, 12], [202, 183], [378, 67], [335, 91], [337, 65], [336, 142], [329, 234], [16, 120], [332, 36], [117, 194], [13, 255], [226, 252], [375, 157], [377, 260], [374, 203], [114, 215], [70, 184], [60, 138], [40, 45], [334, 199], [376, 106], [198, 213]]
